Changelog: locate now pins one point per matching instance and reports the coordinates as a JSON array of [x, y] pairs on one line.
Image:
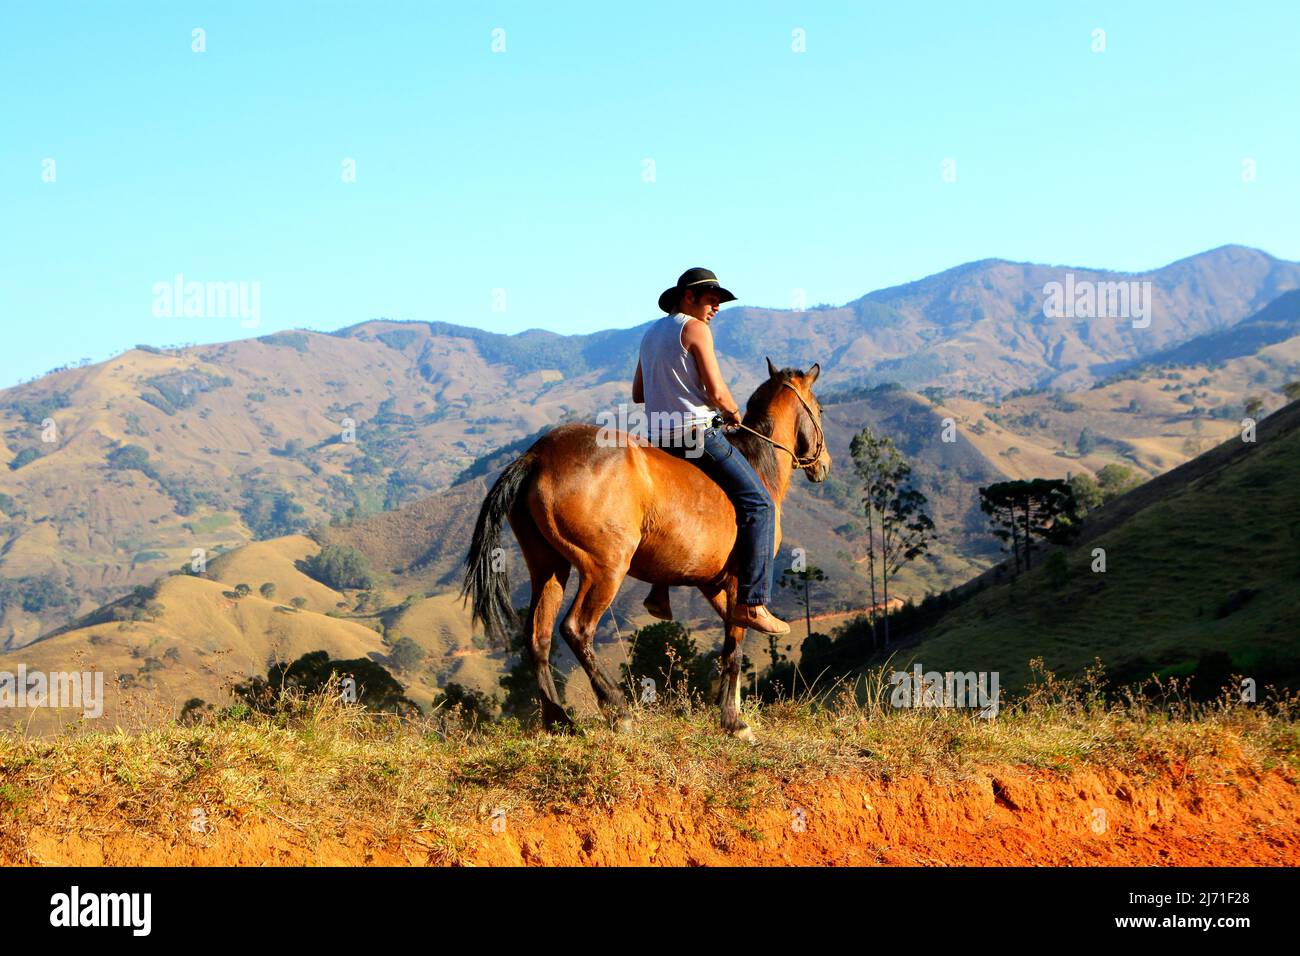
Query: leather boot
[[757, 617]]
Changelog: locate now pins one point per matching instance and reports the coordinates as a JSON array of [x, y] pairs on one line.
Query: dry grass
[[320, 766]]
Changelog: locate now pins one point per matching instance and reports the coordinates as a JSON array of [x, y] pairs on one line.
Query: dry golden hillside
[[198, 644], [224, 430], [275, 562]]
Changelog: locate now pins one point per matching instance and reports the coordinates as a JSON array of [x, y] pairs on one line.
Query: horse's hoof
[[622, 726], [743, 733]]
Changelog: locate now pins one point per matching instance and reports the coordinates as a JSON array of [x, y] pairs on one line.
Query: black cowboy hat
[[692, 278]]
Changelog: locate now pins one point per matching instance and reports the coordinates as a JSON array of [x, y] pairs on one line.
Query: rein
[[796, 461]]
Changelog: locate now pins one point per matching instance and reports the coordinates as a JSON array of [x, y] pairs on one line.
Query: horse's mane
[[758, 417]]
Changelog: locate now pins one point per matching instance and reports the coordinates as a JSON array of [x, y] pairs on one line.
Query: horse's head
[[814, 458]]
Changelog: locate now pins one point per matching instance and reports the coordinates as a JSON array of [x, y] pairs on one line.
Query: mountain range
[[384, 435]]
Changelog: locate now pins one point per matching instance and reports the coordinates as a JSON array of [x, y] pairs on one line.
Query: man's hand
[[731, 418]]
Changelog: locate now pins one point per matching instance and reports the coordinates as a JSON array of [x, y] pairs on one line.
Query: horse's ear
[[771, 369], [813, 373]]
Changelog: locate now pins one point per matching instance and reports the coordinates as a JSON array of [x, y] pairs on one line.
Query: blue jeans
[[755, 516]]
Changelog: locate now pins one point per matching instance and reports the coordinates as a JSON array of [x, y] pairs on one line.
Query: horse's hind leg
[[548, 593], [596, 591], [549, 572]]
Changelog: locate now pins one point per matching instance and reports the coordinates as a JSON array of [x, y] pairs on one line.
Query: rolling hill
[[1202, 577]]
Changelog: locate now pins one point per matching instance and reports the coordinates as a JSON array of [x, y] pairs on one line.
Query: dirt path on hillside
[[999, 816]]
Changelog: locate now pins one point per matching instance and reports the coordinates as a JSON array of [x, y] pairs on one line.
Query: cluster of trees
[[406, 654], [297, 341], [35, 593], [1022, 511], [184, 496], [131, 458], [176, 390], [666, 653], [376, 688], [35, 410], [270, 513], [24, 457], [1050, 510], [398, 338], [899, 529], [473, 706], [339, 566], [800, 578], [1111, 482]]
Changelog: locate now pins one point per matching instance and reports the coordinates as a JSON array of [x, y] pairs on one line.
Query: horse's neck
[[782, 431], [783, 470]]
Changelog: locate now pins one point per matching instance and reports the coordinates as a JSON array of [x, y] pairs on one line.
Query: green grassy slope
[[1177, 550]]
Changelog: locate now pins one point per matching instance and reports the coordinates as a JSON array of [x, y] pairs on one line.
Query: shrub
[[406, 654], [24, 457], [270, 513], [129, 458], [34, 593], [195, 709], [473, 706], [339, 566], [313, 673], [666, 653], [293, 340], [1114, 480]]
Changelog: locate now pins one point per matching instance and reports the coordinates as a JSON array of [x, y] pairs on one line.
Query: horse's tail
[[486, 582]]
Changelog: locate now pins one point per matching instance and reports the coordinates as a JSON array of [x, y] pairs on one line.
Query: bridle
[[796, 462]]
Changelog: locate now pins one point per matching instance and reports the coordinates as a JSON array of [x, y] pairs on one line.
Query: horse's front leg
[[729, 692], [731, 722]]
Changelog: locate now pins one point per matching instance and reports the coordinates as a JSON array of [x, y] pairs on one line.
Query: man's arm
[[698, 339], [638, 387]]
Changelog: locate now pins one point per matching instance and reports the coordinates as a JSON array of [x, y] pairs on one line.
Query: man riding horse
[[678, 379], [609, 505]]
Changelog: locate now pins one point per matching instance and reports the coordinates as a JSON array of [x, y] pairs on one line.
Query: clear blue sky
[[523, 170]]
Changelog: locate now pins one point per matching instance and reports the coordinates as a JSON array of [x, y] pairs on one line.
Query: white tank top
[[671, 381]]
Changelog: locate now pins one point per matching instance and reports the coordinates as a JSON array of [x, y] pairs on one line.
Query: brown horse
[[613, 509]]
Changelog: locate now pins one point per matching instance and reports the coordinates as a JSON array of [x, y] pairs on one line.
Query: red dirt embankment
[[997, 816]]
